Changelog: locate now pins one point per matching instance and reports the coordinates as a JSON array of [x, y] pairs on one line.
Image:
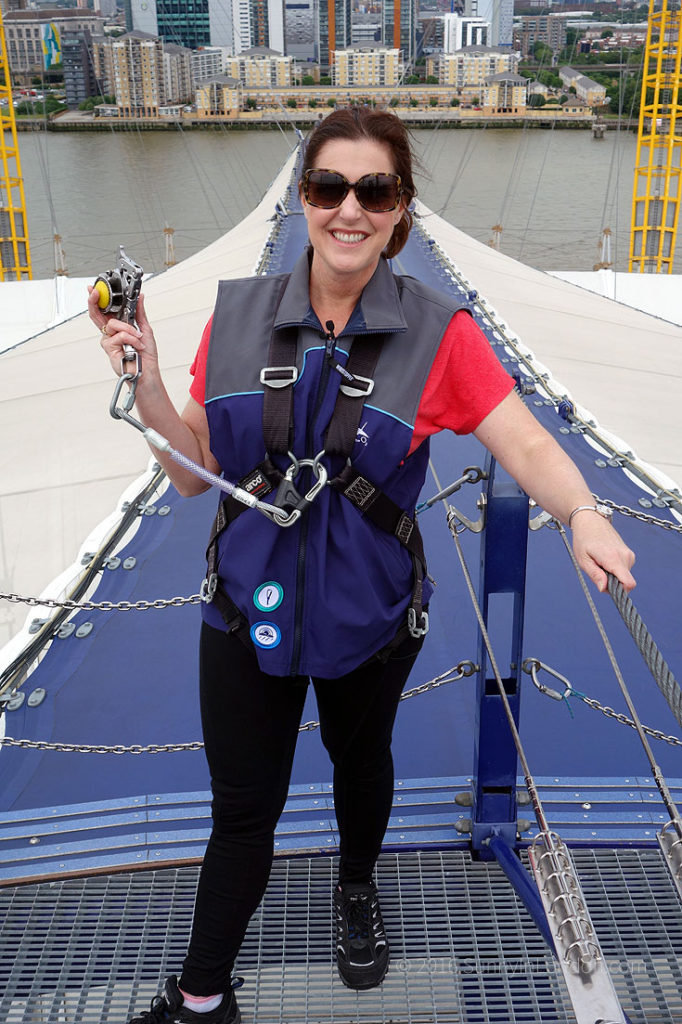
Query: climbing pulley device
[[118, 291]]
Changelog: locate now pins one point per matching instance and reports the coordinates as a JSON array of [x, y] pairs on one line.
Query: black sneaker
[[361, 944], [168, 1008]]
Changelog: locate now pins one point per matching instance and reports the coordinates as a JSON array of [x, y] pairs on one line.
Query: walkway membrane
[[463, 949]]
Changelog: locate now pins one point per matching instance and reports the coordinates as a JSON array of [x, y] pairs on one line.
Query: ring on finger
[[105, 330]]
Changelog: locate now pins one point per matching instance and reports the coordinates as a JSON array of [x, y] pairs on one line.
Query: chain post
[[504, 544]]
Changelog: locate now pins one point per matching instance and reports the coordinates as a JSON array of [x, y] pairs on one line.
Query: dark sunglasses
[[376, 193]]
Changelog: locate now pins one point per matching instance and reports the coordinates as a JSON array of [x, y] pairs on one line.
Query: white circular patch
[[268, 596], [265, 634]]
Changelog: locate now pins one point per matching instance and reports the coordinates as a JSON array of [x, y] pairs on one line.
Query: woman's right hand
[[116, 335]]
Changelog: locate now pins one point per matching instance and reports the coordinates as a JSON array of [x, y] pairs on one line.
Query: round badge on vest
[[265, 634], [268, 596]]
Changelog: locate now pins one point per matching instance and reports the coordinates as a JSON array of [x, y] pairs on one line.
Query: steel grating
[[92, 950]]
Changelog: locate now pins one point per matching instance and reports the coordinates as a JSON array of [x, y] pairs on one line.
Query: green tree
[[312, 103], [414, 103], [394, 101], [536, 100], [433, 101], [307, 80], [454, 102], [291, 102], [606, 34], [431, 80], [331, 102], [325, 80], [412, 80], [542, 53], [250, 103]]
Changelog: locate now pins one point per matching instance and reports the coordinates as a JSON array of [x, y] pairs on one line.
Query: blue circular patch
[[265, 634], [268, 596]]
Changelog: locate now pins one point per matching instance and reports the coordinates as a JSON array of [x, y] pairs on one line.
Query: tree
[[325, 80], [412, 80], [454, 102], [414, 103], [394, 101], [431, 80], [536, 100], [250, 103], [606, 34], [312, 103], [291, 102], [331, 102], [307, 80], [433, 101]]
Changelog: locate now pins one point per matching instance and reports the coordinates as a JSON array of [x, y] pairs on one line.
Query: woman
[[340, 597]]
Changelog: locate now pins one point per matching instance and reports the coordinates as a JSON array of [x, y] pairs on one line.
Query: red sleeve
[[197, 388], [466, 382]]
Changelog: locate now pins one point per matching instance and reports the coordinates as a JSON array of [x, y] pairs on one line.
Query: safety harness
[[266, 478]]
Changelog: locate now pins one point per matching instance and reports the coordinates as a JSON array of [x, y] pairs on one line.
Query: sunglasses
[[376, 193]]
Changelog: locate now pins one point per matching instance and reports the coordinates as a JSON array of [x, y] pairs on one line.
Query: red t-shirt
[[466, 381]]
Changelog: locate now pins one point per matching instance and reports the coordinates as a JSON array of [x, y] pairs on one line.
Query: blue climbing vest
[[323, 596]]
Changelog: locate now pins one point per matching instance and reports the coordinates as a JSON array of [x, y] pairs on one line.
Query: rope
[[655, 661]]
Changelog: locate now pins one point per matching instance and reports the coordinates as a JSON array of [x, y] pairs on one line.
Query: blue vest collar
[[379, 308]]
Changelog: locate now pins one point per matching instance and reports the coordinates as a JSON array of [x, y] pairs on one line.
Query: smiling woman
[[341, 599]]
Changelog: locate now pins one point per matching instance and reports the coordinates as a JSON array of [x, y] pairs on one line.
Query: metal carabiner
[[532, 665]]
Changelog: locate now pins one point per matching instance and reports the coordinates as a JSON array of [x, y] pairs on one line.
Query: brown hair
[[354, 123]]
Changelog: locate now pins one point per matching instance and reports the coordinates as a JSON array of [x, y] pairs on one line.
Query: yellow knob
[[104, 292]]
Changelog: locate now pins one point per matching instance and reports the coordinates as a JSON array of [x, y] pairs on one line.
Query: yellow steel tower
[[15, 259], [656, 192]]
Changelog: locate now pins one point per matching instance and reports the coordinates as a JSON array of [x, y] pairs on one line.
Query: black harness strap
[[383, 512], [278, 397], [350, 401]]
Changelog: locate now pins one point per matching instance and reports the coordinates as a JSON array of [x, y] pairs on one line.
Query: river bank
[[77, 121]]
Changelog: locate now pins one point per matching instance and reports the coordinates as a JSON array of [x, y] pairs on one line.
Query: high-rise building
[[399, 27], [460, 31], [500, 14], [79, 72], [208, 63], [334, 21], [137, 70], [300, 29]]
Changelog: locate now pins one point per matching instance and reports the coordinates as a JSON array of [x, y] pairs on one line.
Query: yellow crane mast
[[15, 258], [656, 191]]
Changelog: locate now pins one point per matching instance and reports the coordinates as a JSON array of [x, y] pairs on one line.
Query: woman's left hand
[[599, 549]]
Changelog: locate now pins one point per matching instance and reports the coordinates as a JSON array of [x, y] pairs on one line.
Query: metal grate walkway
[[92, 951]]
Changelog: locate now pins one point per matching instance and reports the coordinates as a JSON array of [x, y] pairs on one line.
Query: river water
[[552, 190]]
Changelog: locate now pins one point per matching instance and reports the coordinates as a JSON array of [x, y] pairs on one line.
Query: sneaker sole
[[356, 978]]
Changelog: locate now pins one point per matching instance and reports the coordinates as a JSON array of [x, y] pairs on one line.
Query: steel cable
[[655, 661]]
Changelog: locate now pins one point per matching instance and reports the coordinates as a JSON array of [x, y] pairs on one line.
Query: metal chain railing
[[462, 670], [643, 517], [105, 606], [532, 666]]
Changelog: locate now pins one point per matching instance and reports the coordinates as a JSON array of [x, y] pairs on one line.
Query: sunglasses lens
[[325, 189], [378, 193]]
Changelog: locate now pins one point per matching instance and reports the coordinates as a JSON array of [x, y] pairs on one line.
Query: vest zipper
[[330, 346]]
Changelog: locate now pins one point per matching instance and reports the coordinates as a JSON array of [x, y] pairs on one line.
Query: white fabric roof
[[64, 462], [621, 364], [658, 294]]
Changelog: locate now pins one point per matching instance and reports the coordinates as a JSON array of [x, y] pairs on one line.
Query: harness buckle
[[358, 392], [208, 588], [285, 375], [414, 629]]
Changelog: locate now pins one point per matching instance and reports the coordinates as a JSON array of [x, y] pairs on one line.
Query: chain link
[[462, 670], [644, 517], [624, 720], [105, 606]]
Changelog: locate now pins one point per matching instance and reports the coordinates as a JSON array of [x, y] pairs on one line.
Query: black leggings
[[250, 724]]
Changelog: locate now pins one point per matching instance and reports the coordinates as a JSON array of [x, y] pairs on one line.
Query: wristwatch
[[602, 510]]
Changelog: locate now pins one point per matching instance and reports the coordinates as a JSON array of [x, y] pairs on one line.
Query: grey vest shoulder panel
[[243, 323]]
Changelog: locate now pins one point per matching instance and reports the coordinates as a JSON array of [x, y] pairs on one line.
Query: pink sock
[[201, 1004]]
